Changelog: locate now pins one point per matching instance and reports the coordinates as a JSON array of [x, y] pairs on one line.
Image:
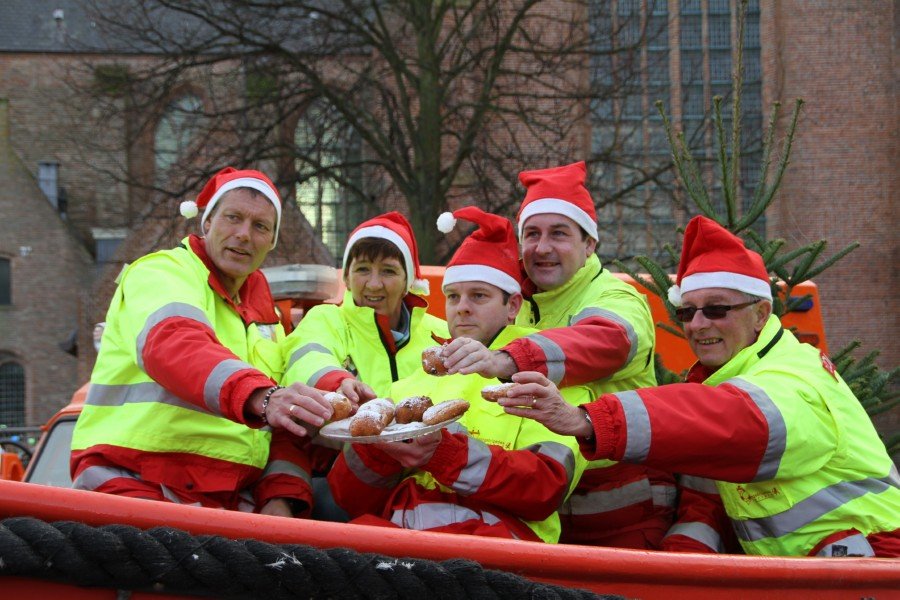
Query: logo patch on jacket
[[267, 331], [750, 497], [828, 365]]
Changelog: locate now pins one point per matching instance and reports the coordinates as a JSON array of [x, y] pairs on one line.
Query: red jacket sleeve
[[591, 349], [287, 474], [716, 432], [528, 483], [217, 379], [363, 478], [701, 524]]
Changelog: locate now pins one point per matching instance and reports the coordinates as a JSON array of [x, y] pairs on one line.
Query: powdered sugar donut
[[495, 392], [372, 417], [444, 411], [412, 409], [432, 361], [341, 405]]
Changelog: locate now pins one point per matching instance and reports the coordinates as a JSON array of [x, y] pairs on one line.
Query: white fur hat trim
[[446, 222], [188, 209]]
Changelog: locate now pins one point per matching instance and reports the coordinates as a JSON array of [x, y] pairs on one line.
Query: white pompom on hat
[[559, 191], [394, 228], [229, 179], [490, 254], [713, 257]]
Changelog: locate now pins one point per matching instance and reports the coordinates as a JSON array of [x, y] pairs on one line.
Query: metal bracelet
[[265, 405], [587, 417]]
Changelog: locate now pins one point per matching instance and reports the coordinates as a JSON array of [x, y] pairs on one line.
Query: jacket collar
[[257, 305], [411, 301], [582, 278]]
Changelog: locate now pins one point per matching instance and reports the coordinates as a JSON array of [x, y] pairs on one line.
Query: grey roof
[[69, 26], [46, 26]]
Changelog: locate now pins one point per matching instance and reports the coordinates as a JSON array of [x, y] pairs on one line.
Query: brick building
[[842, 183], [43, 269], [67, 221]]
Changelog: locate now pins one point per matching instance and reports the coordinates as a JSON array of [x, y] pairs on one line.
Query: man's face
[[378, 283], [554, 247], [715, 342], [239, 235], [476, 310]]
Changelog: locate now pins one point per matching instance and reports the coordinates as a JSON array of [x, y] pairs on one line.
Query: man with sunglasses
[[764, 421]]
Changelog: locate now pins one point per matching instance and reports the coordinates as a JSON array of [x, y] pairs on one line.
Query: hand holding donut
[[356, 391], [535, 397], [285, 406], [466, 355]]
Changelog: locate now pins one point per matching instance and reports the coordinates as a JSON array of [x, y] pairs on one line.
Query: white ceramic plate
[[340, 431]]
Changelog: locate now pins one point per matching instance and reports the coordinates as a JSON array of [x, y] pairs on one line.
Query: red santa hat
[[394, 228], [490, 253], [229, 179], [713, 257], [559, 191]]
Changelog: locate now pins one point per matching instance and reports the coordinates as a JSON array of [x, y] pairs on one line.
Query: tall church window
[[12, 393], [175, 131], [329, 175], [684, 59], [5, 282]]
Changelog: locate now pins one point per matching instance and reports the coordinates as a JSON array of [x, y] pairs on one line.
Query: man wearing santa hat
[[798, 465], [490, 473], [183, 398], [595, 330]]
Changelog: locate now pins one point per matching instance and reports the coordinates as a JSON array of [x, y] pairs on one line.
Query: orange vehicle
[[325, 285], [631, 573]]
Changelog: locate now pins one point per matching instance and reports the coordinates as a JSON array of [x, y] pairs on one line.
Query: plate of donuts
[[380, 420]]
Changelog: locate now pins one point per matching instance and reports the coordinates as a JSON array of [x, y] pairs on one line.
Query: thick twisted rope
[[164, 559]]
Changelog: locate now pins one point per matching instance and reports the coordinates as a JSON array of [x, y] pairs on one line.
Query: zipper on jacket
[[392, 360], [535, 310]]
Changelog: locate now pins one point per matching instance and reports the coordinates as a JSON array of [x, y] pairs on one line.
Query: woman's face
[[378, 283]]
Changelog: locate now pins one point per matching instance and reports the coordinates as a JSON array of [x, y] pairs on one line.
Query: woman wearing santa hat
[[766, 428], [377, 334]]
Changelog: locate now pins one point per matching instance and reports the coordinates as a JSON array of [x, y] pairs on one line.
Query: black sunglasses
[[713, 312]]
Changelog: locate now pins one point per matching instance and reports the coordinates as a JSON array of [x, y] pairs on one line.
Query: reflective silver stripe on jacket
[[304, 350], [768, 468], [636, 492], [618, 320], [808, 510], [315, 377], [148, 391], [284, 467], [698, 484], [212, 389], [457, 427], [852, 545], [558, 452], [438, 514], [94, 477], [637, 427], [471, 477], [173, 309], [700, 532], [554, 355], [365, 474]]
